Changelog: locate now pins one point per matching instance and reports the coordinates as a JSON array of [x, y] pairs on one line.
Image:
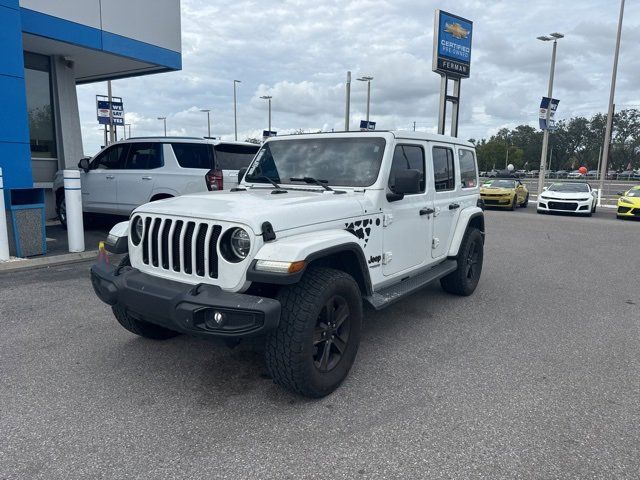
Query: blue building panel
[[60, 29], [10, 42], [128, 47], [15, 155], [10, 3]]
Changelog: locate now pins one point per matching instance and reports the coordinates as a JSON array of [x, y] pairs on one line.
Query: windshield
[[501, 184], [634, 192], [345, 162], [569, 187]]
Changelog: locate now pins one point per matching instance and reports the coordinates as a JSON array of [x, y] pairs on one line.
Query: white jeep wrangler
[[319, 225]]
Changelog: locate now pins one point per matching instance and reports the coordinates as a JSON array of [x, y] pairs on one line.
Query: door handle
[[146, 178], [453, 206], [110, 177], [427, 211]]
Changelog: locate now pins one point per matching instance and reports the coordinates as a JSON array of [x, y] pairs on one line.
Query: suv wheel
[[139, 327], [464, 280], [315, 344]]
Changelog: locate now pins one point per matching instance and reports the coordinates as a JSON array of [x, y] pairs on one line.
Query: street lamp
[[367, 79], [235, 108], [545, 139], [268, 97], [164, 120], [607, 136], [208, 121]]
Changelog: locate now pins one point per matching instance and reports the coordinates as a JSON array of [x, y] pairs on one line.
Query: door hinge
[[387, 219], [386, 258], [435, 243]]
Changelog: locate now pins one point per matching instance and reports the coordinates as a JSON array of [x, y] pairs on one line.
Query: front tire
[[464, 280], [514, 203], [526, 202], [315, 344], [61, 209]]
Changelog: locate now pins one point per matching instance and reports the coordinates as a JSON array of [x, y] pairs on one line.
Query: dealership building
[[47, 48]]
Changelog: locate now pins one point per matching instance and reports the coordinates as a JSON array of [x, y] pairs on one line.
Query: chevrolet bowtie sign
[[452, 45]]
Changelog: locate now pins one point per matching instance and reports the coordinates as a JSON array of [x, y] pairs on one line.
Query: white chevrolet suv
[[136, 171]]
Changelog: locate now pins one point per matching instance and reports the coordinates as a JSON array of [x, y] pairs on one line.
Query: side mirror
[[620, 194], [241, 173], [545, 188], [405, 182], [84, 164]]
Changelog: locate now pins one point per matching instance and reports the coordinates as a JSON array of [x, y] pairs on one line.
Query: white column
[[4, 237], [73, 204]]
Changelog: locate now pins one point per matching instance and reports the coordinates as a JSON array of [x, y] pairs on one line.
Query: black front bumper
[[201, 310]]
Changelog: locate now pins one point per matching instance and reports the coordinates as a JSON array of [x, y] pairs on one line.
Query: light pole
[[235, 109], [348, 102], [545, 139], [164, 120], [367, 79], [208, 121], [268, 97], [607, 136]]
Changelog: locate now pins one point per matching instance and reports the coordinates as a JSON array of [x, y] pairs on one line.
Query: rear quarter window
[[468, 170], [234, 157], [193, 155]]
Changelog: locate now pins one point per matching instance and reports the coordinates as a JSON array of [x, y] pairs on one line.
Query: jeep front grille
[[182, 246]]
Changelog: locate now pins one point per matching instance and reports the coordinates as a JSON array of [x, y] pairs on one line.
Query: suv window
[[110, 159], [407, 157], [468, 171], [193, 155], [144, 156], [443, 170], [234, 157]]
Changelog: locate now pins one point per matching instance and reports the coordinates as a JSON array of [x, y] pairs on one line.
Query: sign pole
[[545, 138], [443, 104], [455, 107]]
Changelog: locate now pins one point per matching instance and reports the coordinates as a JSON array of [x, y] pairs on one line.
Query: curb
[[46, 262]]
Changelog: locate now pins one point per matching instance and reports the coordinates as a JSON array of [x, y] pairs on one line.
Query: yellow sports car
[[505, 193], [629, 203]]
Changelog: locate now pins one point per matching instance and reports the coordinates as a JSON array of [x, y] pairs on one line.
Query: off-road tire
[[139, 327], [463, 281], [290, 349]]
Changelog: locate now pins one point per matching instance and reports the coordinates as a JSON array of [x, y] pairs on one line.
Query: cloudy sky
[[299, 51]]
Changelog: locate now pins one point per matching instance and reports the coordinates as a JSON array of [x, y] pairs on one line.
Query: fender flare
[[465, 218], [309, 248]]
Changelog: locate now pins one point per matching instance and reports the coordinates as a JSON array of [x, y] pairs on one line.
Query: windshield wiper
[[277, 187], [315, 181]]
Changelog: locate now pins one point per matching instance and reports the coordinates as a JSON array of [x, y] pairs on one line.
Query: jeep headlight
[[136, 229], [235, 244]]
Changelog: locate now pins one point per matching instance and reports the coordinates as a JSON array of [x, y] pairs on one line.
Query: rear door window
[[144, 156], [443, 169], [234, 157], [193, 155], [407, 157]]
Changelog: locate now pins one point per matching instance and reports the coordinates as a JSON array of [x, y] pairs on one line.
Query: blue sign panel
[[544, 105], [364, 126], [117, 112], [452, 45]]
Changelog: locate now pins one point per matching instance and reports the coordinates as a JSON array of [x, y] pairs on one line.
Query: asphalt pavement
[[537, 375]]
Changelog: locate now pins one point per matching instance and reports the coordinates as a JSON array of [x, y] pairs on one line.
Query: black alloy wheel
[[331, 334]]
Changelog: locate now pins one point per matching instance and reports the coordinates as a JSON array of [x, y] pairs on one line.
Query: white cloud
[[299, 51]]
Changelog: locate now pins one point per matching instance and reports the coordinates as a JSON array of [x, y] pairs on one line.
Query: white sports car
[[568, 197]]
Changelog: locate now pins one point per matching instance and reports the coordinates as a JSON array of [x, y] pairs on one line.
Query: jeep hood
[[284, 211]]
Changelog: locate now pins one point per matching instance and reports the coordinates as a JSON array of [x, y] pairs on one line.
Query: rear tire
[[464, 280], [316, 342]]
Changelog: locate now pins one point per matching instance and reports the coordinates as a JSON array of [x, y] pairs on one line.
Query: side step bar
[[387, 296]]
